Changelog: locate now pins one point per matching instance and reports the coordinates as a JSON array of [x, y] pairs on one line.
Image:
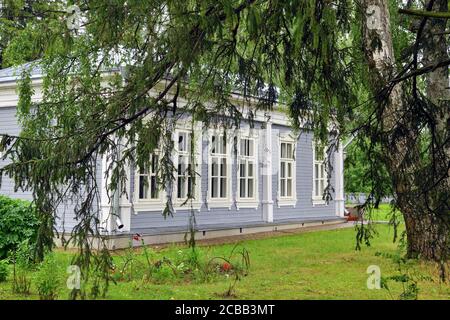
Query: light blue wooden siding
[[66, 217], [216, 216], [9, 125], [304, 179]]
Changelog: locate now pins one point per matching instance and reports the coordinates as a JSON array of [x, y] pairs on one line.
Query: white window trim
[[181, 204], [140, 205], [252, 203], [316, 200], [287, 201], [220, 202]]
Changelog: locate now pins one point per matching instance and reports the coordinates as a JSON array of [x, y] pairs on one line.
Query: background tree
[[293, 52]]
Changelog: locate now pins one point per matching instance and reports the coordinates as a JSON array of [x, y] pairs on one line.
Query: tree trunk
[[435, 46], [426, 236]]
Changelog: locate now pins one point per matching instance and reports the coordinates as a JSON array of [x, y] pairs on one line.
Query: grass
[[311, 265]]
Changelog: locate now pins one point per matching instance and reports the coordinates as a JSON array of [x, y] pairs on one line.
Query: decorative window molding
[[148, 195], [219, 169], [319, 174], [287, 187], [247, 193], [184, 154]]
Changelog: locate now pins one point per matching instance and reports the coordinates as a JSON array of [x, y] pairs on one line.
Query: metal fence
[[358, 198]]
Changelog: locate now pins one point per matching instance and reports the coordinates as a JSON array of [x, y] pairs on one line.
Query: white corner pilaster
[[106, 201], [339, 180], [266, 170]]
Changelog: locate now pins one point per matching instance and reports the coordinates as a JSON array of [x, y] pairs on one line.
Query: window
[[148, 184], [185, 183], [219, 170], [287, 163], [319, 174], [246, 173]]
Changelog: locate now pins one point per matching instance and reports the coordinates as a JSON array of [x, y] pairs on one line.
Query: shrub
[[18, 222], [3, 270], [47, 278]]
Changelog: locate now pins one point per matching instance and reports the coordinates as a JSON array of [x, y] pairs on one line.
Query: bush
[[47, 278], [3, 270], [18, 222]]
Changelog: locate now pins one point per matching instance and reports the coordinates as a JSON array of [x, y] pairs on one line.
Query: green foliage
[[48, 279], [288, 52], [407, 274], [18, 222], [22, 259], [4, 270], [185, 265], [361, 173]]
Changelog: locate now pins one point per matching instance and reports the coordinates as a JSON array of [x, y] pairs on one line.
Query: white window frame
[[227, 201], [180, 203], [156, 204], [318, 199], [254, 201], [292, 200]]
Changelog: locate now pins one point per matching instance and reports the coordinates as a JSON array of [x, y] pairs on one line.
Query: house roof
[[13, 73]]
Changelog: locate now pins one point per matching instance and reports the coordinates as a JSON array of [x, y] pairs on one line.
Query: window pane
[[321, 187], [242, 147], [154, 166], [223, 167], [242, 172], [289, 171], [143, 171], [181, 187], [316, 170], [242, 188], [250, 168], [289, 151], [214, 167], [214, 187], [283, 187], [181, 141], [224, 145], [250, 188], [223, 187], [251, 148], [190, 186], [283, 170], [289, 187], [213, 144], [143, 187], [283, 150], [153, 188]]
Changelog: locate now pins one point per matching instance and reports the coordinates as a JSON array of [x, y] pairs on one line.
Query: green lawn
[[311, 265]]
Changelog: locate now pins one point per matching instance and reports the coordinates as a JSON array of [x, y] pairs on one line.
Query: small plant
[[22, 259], [407, 274], [47, 279], [4, 271], [235, 266]]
